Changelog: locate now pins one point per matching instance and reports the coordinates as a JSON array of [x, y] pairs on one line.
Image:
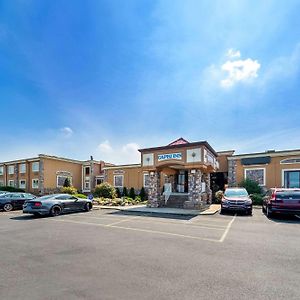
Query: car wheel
[[222, 212], [55, 211], [250, 212], [37, 215], [87, 207], [263, 209], [8, 207], [268, 213]]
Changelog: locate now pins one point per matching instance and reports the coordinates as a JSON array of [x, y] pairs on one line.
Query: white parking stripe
[[227, 229]]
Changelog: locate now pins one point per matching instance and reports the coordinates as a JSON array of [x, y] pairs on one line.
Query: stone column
[[206, 179], [154, 189], [232, 173], [195, 186]]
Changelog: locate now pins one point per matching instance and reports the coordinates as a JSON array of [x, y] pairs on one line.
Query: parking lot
[[106, 254]]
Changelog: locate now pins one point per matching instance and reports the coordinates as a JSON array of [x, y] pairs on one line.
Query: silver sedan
[[56, 204]]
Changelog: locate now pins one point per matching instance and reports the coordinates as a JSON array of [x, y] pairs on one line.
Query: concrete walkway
[[214, 208]]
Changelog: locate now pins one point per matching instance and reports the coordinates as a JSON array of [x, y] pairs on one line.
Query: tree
[[132, 193], [118, 192], [251, 186], [125, 192], [143, 194], [67, 182]]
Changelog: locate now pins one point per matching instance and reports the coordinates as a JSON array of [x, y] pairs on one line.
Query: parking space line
[[126, 220], [227, 230], [137, 229]]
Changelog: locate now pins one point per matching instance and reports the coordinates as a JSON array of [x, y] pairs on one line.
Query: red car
[[281, 201]]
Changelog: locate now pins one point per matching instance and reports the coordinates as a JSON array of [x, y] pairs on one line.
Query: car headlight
[[248, 201]]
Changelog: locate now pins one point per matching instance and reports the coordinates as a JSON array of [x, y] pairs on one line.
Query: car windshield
[[236, 193]]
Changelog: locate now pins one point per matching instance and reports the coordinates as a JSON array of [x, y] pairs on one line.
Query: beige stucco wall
[[273, 170], [51, 166]]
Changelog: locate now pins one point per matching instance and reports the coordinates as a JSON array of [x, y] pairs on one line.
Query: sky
[[107, 77]]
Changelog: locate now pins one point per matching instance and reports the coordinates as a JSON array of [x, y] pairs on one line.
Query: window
[[87, 171], [258, 175], [22, 184], [1, 183], [11, 183], [11, 170], [118, 180], [146, 180], [291, 178], [35, 166], [22, 169], [87, 185], [99, 181], [60, 180], [1, 170], [290, 161], [35, 183]]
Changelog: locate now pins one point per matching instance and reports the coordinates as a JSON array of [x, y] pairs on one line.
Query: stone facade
[[207, 197], [41, 177], [232, 164], [195, 186], [154, 190]]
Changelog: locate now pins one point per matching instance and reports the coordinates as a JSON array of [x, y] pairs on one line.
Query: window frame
[[144, 181], [9, 168], [9, 181], [119, 186], [256, 168], [20, 168], [65, 176], [20, 186], [38, 182], [283, 175], [34, 164]]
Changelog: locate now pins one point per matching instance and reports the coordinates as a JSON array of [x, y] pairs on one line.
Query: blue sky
[[103, 78]]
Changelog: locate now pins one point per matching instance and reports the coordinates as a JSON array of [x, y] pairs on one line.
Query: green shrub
[[67, 182], [143, 195], [69, 190], [118, 193], [132, 193], [251, 186], [218, 196], [125, 192], [11, 189], [138, 199], [105, 190], [80, 196], [256, 199]]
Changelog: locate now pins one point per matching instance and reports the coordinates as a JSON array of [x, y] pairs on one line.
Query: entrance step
[[176, 201]]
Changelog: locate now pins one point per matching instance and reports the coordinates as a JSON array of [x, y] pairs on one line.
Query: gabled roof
[[179, 141]]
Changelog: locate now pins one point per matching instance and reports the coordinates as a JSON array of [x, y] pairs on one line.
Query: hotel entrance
[[181, 181]]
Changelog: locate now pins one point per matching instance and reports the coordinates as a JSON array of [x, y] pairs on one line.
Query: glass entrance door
[[292, 179], [182, 182]]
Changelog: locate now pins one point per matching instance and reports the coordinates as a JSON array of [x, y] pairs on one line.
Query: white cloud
[[233, 53], [66, 132], [122, 154], [239, 70], [105, 147]]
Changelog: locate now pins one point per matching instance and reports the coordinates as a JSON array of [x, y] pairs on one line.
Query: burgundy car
[[281, 201]]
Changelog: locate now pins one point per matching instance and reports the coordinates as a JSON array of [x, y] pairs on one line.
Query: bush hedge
[[257, 199], [80, 196], [218, 196], [69, 190], [251, 186], [11, 189], [143, 195], [105, 190], [132, 193]]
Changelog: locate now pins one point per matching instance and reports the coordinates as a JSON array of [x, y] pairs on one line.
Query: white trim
[[117, 186], [271, 154], [122, 167], [38, 182], [144, 185], [9, 167], [290, 158], [65, 176], [20, 169], [246, 169], [22, 187], [282, 175], [11, 180]]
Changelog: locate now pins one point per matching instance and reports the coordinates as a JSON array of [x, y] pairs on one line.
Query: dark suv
[[282, 201]]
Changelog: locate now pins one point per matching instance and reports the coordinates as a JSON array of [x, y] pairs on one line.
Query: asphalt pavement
[[113, 255]]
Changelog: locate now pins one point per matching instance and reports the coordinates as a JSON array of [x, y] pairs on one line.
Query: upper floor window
[[35, 166], [1, 170], [11, 170], [87, 171], [291, 161], [22, 168]]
